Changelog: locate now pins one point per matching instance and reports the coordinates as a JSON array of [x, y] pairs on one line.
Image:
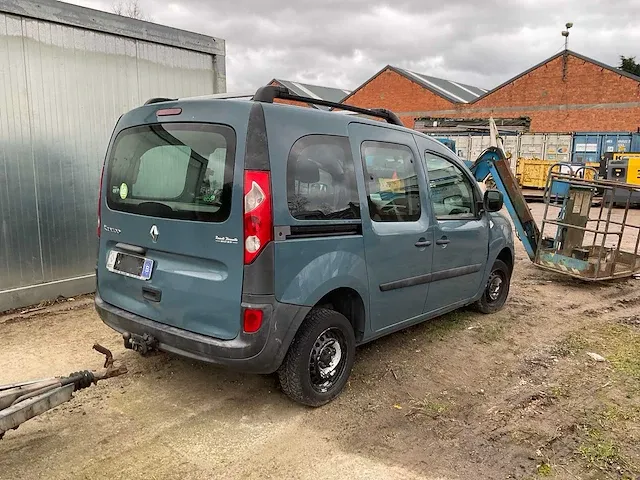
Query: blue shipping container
[[448, 143], [616, 143], [589, 147], [586, 148]]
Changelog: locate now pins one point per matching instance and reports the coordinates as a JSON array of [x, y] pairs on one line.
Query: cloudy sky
[[342, 43]]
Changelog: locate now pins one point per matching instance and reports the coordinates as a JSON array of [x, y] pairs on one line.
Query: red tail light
[[252, 320], [258, 221], [100, 203]]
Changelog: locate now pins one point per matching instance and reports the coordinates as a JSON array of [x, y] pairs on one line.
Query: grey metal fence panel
[[20, 253], [62, 89]]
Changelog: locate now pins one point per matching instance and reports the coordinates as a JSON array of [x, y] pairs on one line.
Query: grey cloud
[[342, 43]]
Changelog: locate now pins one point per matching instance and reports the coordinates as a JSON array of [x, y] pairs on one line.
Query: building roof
[[466, 125], [314, 91], [453, 91], [104, 22], [559, 54]]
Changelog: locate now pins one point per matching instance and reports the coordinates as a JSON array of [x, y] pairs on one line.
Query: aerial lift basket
[[574, 239], [588, 242]]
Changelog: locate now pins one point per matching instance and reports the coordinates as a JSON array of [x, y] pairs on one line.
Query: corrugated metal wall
[[571, 148], [62, 90], [589, 147], [469, 147], [545, 146]]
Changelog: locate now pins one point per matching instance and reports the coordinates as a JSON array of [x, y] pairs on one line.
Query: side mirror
[[493, 201]]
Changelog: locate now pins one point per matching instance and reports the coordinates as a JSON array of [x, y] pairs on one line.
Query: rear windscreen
[[180, 170]]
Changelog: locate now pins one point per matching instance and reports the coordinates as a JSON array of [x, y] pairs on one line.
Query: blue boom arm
[[493, 162]]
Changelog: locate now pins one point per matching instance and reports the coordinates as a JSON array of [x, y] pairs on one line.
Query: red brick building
[[312, 91], [406, 93], [566, 93]]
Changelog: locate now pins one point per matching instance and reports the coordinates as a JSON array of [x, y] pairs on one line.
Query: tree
[[629, 65], [130, 8]]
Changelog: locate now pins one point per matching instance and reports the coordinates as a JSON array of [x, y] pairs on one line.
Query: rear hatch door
[[171, 235]]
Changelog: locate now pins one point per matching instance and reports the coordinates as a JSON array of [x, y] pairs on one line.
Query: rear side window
[[182, 171], [392, 182], [321, 181]]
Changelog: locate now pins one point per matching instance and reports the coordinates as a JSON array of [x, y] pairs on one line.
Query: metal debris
[[21, 401]]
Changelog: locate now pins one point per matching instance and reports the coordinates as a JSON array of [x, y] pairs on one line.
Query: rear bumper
[[260, 352]]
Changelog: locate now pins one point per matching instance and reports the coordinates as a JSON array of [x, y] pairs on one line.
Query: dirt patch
[[633, 321], [510, 395], [47, 308]]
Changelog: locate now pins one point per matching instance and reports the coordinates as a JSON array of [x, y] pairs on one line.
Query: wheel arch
[[506, 255], [348, 302]]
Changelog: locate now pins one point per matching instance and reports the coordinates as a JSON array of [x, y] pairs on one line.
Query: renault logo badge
[[154, 233]]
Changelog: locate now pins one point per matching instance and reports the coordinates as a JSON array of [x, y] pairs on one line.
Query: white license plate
[[130, 265]]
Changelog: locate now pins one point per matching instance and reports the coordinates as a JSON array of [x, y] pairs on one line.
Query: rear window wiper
[[153, 208]]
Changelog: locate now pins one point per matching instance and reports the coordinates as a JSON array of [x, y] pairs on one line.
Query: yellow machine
[[622, 167], [633, 172], [632, 163], [533, 172]]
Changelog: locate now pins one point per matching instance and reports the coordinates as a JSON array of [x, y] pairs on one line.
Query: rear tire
[[496, 290], [319, 360]]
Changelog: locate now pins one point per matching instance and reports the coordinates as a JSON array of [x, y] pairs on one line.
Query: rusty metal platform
[[588, 242]]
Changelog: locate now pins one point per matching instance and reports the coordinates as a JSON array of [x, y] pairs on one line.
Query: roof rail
[[159, 99], [269, 93]]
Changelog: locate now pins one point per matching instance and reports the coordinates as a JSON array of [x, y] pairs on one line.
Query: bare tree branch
[[130, 8]]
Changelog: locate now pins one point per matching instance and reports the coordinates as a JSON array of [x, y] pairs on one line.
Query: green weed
[[599, 451], [544, 470], [570, 345]]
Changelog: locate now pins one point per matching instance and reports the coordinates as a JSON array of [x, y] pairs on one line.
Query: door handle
[[443, 241], [423, 242], [151, 294]]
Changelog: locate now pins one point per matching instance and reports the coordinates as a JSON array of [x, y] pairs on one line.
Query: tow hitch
[[142, 344], [21, 401]]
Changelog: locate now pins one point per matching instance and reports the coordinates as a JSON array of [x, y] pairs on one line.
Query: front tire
[[319, 360], [497, 289]]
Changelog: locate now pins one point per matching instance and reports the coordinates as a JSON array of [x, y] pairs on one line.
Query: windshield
[[182, 171]]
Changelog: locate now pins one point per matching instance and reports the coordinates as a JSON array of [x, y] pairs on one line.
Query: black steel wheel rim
[[327, 359], [495, 286]]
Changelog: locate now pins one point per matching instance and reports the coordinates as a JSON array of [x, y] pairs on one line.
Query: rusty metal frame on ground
[[581, 245], [22, 401]]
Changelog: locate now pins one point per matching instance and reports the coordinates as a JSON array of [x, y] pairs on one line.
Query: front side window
[[181, 171], [450, 189], [321, 181], [392, 182]]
